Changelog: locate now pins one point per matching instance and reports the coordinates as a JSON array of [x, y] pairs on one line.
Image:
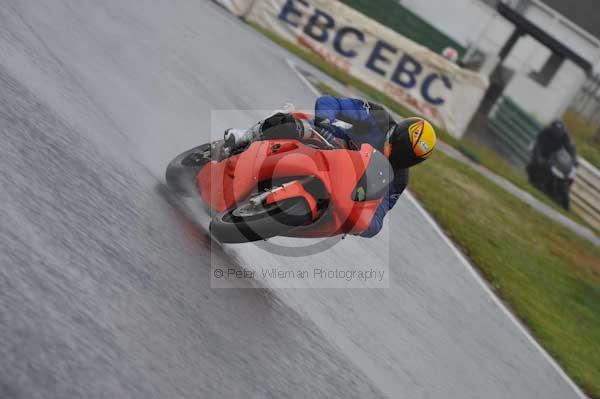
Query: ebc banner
[[409, 73]]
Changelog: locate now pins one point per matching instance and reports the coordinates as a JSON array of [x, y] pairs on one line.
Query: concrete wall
[[546, 103]]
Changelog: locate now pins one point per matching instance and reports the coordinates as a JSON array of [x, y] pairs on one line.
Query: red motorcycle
[[284, 187]]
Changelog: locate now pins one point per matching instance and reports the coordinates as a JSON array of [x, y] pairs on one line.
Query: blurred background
[[105, 275]]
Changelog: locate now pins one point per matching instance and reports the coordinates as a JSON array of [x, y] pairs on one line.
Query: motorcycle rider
[[405, 143], [548, 141]]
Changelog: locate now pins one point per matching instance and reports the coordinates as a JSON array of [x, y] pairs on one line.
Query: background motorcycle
[[555, 176]]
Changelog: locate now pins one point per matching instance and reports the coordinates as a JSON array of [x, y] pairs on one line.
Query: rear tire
[[182, 171], [248, 223]]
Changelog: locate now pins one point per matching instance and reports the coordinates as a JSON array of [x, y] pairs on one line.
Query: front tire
[[247, 223], [563, 196]]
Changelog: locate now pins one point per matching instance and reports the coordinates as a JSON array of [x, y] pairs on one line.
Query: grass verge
[[549, 277]]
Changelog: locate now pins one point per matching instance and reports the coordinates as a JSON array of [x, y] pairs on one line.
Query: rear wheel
[[181, 172], [248, 222]]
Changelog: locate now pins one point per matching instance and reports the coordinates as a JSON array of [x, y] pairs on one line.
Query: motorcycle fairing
[[229, 182]]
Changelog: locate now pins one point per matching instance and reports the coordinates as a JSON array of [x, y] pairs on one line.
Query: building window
[[545, 75]]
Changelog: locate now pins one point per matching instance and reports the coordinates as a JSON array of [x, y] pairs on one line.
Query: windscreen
[[376, 180]]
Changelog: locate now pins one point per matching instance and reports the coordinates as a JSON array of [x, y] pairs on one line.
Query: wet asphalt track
[[105, 283]]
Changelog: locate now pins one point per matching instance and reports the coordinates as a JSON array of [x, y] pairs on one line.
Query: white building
[[542, 74]]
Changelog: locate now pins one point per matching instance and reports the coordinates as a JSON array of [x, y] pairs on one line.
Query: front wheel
[[562, 194], [248, 222]]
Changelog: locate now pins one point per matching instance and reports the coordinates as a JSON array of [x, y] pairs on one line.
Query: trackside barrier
[[515, 131], [585, 193], [409, 73]]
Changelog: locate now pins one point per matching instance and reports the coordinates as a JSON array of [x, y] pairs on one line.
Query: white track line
[[465, 262], [310, 86]]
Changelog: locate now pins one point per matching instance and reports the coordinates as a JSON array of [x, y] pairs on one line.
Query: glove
[[328, 131], [328, 134], [322, 122]]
